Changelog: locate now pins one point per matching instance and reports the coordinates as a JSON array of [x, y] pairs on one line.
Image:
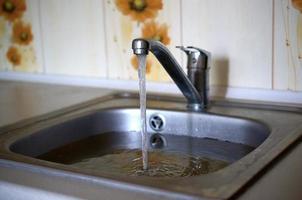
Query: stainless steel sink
[[247, 136], [120, 129]]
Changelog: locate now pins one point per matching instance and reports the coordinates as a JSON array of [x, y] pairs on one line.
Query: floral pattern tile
[[149, 19], [16, 38]]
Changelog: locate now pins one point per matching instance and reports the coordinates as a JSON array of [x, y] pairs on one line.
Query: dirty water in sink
[[161, 164], [119, 153]]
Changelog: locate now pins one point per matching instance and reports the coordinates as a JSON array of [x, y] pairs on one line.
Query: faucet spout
[[140, 46], [167, 60]]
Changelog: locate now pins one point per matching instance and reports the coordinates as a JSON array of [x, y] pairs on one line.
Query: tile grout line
[[273, 45], [42, 38], [181, 31], [105, 39]]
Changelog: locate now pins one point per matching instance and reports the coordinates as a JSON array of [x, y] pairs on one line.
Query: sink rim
[[248, 172]]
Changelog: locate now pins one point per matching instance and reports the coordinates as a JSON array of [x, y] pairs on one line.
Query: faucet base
[[195, 107]]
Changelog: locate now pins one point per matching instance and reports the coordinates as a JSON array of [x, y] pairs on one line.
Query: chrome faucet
[[195, 86]]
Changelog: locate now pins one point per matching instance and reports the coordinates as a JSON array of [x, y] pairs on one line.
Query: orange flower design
[[139, 10], [297, 4], [12, 9], [22, 33], [154, 31], [134, 62], [14, 56]]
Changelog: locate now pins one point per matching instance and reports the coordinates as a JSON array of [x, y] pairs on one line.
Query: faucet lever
[[197, 58], [185, 49], [188, 50], [198, 64]]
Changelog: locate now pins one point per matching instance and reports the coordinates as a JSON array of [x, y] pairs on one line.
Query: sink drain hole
[[157, 141], [157, 122]]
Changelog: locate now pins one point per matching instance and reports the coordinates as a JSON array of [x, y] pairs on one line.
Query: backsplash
[[254, 44], [17, 51]]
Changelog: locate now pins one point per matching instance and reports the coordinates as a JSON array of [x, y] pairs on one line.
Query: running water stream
[[142, 97]]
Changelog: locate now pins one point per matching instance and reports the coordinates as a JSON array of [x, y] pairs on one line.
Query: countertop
[[23, 102]]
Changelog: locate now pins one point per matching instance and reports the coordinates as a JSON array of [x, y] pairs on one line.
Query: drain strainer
[[157, 122], [158, 141]]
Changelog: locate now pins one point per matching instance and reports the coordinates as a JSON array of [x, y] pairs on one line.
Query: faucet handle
[[191, 49], [187, 50], [198, 65], [197, 58]]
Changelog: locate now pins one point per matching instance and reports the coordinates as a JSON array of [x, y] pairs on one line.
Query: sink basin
[[232, 138], [212, 136], [245, 136]]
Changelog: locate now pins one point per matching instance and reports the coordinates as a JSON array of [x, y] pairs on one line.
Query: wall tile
[[287, 47], [5, 33], [73, 37], [122, 29], [30, 54], [34, 54], [238, 33]]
